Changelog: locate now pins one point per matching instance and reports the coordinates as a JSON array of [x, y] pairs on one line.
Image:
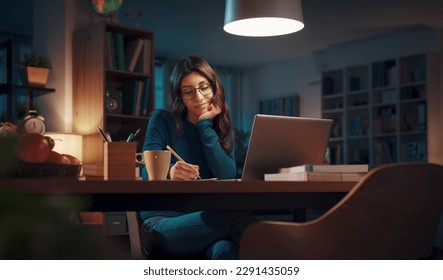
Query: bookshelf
[[380, 110], [113, 84], [11, 88], [284, 106]]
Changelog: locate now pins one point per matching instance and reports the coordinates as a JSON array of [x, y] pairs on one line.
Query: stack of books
[[96, 172], [309, 172]]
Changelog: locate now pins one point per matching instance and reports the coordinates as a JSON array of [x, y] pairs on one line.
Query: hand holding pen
[[183, 170]]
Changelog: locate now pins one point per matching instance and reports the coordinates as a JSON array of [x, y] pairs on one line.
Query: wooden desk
[[188, 195]]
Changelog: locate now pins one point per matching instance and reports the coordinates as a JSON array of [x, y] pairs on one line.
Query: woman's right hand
[[184, 171]]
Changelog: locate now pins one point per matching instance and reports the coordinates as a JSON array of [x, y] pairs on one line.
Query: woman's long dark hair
[[222, 122]]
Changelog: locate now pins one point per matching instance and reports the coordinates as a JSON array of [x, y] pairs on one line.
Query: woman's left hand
[[212, 112]]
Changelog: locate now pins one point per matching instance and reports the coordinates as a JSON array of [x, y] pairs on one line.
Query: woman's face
[[196, 101]]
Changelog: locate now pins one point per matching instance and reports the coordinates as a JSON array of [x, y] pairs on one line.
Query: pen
[[177, 156], [102, 133], [130, 137], [174, 153], [108, 136], [136, 133]]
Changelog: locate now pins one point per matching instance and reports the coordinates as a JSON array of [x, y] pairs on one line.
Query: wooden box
[[119, 160]]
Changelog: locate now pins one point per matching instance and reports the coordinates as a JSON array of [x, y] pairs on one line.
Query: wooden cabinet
[[109, 90], [380, 110]]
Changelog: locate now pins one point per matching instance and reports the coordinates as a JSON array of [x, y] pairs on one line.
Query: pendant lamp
[[262, 18]]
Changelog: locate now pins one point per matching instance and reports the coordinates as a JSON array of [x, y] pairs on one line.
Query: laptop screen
[[281, 141]]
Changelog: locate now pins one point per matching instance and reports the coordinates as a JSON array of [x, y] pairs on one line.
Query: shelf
[[356, 108], [329, 111], [103, 53], [11, 90], [382, 112], [126, 117], [384, 135], [337, 95], [125, 76], [4, 87], [359, 137]]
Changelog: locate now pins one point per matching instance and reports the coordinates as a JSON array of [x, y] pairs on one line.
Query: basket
[[46, 170]]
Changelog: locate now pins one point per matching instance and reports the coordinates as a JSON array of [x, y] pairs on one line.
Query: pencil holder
[[119, 163]]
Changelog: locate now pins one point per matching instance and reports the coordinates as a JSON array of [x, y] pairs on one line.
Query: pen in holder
[[119, 161]]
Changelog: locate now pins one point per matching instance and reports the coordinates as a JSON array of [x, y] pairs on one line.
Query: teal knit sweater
[[198, 144]]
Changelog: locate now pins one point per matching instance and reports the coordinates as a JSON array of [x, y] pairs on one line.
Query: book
[[129, 100], [145, 100], [120, 48], [138, 101], [315, 176], [132, 53], [144, 63], [330, 168], [93, 170], [111, 51]]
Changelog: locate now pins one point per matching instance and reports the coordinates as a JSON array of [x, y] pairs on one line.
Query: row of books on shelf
[[128, 54], [384, 152], [414, 151], [384, 74], [286, 106], [136, 98], [91, 171], [329, 172]]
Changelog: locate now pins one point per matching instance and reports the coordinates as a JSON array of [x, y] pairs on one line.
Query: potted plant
[[37, 70]]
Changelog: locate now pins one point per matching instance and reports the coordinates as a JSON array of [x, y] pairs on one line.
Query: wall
[[54, 23], [52, 40], [302, 76], [294, 77], [17, 18]]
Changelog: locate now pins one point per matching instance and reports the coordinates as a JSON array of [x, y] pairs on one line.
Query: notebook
[[281, 141]]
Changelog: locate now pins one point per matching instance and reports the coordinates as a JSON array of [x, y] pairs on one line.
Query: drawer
[[116, 222]]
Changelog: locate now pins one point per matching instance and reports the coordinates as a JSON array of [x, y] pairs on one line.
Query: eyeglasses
[[188, 92]]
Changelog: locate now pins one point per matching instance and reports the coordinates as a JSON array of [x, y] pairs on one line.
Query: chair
[[135, 235], [392, 213]]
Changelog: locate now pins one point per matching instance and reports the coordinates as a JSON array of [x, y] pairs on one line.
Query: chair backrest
[[392, 213]]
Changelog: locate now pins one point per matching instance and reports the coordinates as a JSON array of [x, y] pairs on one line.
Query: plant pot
[[37, 77]]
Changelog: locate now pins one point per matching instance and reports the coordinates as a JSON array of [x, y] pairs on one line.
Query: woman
[[199, 130]]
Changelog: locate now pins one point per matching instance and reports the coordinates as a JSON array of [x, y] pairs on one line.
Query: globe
[[105, 7]]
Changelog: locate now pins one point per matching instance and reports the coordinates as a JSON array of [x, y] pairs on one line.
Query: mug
[[157, 163]]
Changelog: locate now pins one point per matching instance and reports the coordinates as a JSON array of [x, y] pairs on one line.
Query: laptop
[[281, 141]]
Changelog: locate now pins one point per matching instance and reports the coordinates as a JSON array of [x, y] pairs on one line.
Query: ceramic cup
[[156, 162]]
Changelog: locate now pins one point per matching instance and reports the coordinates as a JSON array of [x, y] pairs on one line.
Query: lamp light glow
[[262, 18]]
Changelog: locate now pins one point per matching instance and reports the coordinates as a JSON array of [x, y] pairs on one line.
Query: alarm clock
[[32, 123]]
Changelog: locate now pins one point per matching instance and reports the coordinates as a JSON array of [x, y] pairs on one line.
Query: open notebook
[[281, 141]]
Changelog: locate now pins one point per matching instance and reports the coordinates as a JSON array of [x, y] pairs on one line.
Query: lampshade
[[67, 143], [262, 18]]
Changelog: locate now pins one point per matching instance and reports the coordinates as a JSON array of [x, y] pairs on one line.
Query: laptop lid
[[281, 141]]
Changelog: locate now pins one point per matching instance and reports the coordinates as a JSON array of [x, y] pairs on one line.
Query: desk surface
[[189, 195]]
